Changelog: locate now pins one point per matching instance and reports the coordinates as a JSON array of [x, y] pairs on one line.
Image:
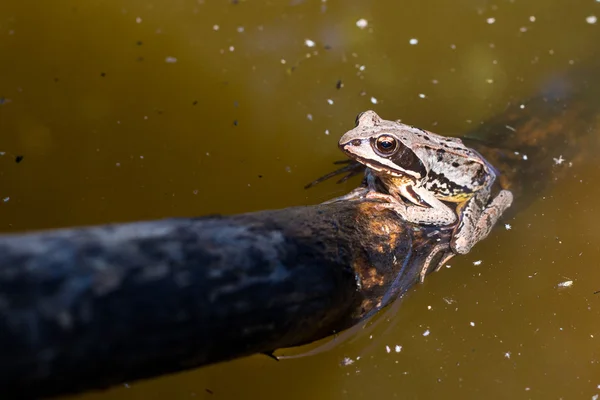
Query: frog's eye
[[386, 145], [358, 118]]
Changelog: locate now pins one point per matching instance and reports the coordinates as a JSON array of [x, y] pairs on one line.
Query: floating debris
[[309, 43], [362, 23], [559, 160]]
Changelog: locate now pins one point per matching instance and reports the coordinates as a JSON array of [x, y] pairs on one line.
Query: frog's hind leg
[[478, 220], [446, 256]]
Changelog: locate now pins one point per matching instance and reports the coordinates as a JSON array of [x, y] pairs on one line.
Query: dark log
[[87, 308], [92, 307]]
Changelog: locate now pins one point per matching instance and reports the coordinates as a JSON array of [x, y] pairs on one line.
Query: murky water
[[128, 110]]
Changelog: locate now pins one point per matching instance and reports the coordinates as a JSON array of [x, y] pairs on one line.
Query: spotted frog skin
[[429, 179]]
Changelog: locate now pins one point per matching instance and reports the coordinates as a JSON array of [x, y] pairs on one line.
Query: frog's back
[[455, 173]]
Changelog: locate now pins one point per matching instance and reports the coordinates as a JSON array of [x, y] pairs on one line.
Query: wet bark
[[92, 307]]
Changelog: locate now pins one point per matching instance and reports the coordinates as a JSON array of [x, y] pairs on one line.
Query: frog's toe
[[460, 245]]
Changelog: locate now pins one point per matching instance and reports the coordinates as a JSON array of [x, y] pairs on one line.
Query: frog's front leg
[[478, 218], [367, 185], [438, 213]]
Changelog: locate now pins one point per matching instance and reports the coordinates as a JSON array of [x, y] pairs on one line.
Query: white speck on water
[[398, 348], [6, 199], [591, 19], [240, 29], [361, 68], [426, 333], [413, 41], [347, 361], [288, 169], [138, 20], [141, 157], [523, 29], [453, 46], [491, 20], [327, 131], [435, 81], [478, 262], [145, 117], [525, 157], [309, 117], [510, 128], [126, 385], [532, 18], [559, 160], [373, 100], [507, 354], [387, 349], [231, 48], [472, 323], [522, 106], [565, 284], [215, 27], [489, 80], [118, 164], [508, 227], [429, 307], [309, 43], [362, 23], [329, 101], [171, 60], [421, 95], [195, 191], [282, 61]]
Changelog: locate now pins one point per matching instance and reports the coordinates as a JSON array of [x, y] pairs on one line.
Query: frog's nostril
[[356, 142]]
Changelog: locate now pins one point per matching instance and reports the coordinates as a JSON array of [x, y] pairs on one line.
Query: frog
[[430, 180]]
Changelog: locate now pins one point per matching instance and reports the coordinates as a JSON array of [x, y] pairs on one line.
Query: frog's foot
[[357, 194], [477, 226], [446, 256]]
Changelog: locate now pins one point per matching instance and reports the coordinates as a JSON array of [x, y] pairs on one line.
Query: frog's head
[[384, 146]]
